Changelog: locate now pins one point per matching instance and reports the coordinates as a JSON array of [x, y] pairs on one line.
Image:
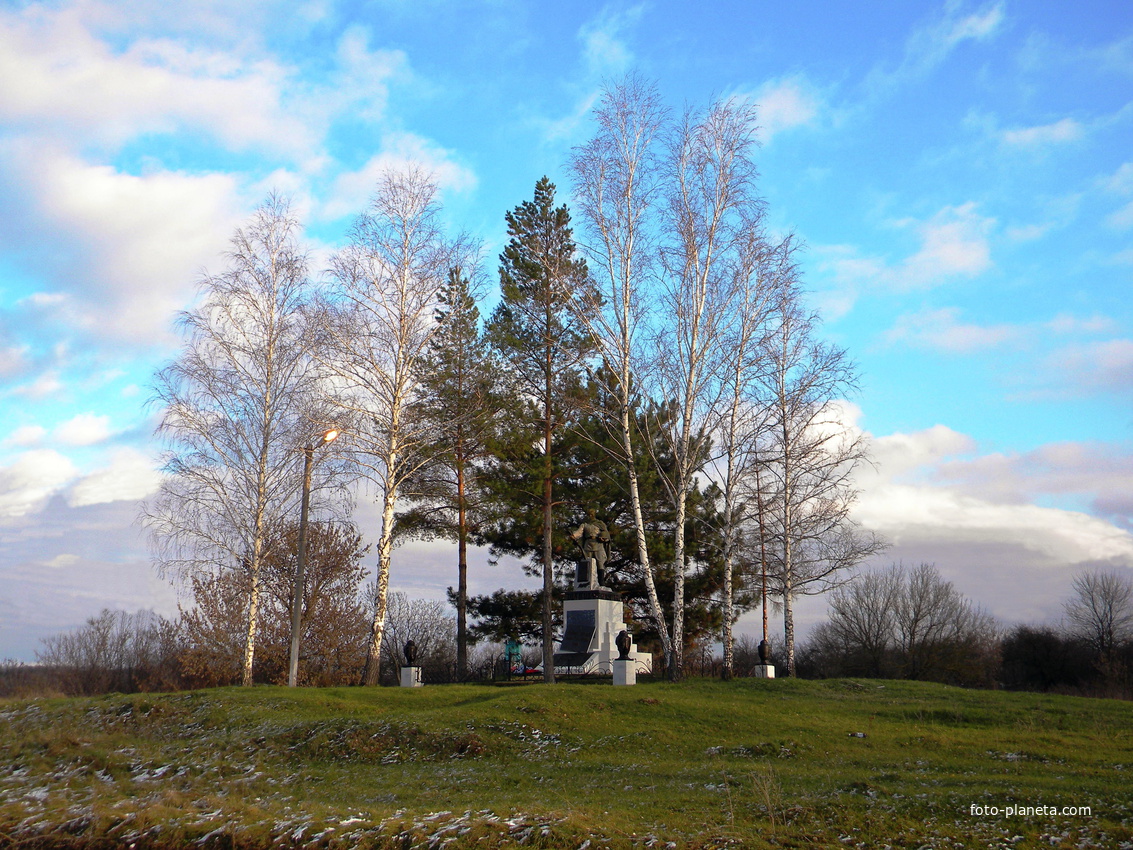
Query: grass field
[[747, 763]]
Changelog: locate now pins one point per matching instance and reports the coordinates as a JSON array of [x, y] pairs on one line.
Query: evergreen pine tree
[[460, 399], [543, 345]]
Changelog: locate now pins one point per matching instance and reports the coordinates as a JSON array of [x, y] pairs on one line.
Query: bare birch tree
[[616, 180], [808, 462], [764, 269], [711, 220], [235, 407], [375, 330]]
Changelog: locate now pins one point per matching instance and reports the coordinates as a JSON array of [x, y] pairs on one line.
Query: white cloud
[[605, 56], [1099, 472], [44, 386], [61, 561], [361, 81], [932, 43], [86, 429], [67, 564], [26, 436], [979, 25], [898, 454], [953, 243], [556, 131], [1101, 366], [604, 51], [31, 479], [57, 76], [351, 192], [936, 499], [785, 103], [1121, 181], [44, 300], [1064, 323], [1027, 232], [1122, 219], [13, 360], [129, 476], [902, 512], [122, 251], [940, 330], [1060, 132]]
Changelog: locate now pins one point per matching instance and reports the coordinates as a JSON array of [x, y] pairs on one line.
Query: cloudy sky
[[961, 174]]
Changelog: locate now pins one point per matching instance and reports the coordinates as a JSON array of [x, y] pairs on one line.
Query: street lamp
[[301, 560]]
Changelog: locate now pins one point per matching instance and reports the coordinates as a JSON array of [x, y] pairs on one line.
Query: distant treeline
[[904, 623], [899, 623]]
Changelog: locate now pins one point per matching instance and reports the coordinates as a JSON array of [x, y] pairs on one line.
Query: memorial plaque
[[579, 631]]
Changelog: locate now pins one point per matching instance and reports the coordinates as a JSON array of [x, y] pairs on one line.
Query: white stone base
[[411, 677], [625, 672], [603, 609], [765, 671]]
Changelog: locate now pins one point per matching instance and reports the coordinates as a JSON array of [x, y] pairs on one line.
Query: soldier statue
[[594, 536]]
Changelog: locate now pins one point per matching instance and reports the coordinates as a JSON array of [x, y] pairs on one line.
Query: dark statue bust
[[410, 653], [623, 642]]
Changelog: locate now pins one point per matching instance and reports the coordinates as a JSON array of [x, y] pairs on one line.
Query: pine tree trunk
[[548, 562]]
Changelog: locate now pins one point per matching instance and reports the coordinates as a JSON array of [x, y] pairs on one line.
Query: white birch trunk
[[381, 595]]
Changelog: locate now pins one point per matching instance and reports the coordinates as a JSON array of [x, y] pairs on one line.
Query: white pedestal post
[[765, 671], [625, 672], [593, 620], [411, 677]]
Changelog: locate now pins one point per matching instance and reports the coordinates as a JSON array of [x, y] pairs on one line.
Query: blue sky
[[961, 174]]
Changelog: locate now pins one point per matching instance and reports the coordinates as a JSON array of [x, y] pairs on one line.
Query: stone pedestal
[[593, 620], [586, 576], [625, 672], [411, 677], [764, 671]]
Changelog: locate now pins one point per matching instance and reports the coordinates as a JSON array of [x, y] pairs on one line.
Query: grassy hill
[[748, 763]]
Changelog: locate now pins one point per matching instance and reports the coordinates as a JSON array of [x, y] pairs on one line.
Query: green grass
[[748, 763]]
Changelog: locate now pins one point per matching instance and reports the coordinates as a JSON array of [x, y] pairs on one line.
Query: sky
[[961, 175]]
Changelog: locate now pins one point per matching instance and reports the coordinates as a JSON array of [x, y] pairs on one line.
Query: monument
[[764, 669], [410, 673], [593, 616]]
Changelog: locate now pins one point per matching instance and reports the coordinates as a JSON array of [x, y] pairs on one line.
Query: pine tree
[[590, 473], [460, 399], [543, 345]]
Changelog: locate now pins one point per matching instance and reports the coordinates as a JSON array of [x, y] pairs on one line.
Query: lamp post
[[301, 560]]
